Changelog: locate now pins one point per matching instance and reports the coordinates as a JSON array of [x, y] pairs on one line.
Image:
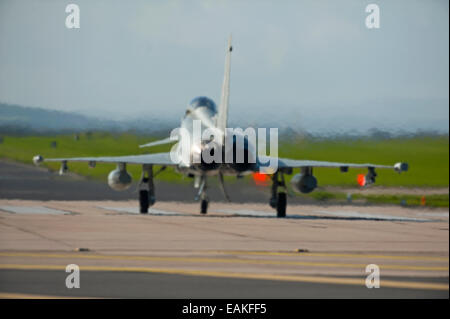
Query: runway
[[236, 251], [110, 284], [223, 254]]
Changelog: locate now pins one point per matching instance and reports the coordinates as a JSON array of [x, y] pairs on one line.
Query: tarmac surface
[[20, 181], [236, 251]]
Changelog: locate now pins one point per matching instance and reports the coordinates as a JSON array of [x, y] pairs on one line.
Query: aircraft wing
[[155, 159], [293, 163]]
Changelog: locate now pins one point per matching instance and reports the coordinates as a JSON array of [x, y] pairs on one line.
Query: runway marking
[[248, 213], [300, 254], [135, 210], [33, 210], [223, 274], [10, 295], [356, 214], [255, 213], [323, 214], [224, 260]]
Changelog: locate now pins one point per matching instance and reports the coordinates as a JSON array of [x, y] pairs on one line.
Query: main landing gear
[[278, 200]]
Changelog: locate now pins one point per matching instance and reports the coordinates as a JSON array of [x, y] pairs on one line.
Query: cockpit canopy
[[203, 101]]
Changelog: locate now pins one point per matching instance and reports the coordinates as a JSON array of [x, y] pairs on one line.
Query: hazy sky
[[309, 64]]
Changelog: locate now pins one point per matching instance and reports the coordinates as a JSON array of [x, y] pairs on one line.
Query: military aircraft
[[202, 109]]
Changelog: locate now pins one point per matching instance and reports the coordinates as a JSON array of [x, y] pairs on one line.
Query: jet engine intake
[[243, 158]]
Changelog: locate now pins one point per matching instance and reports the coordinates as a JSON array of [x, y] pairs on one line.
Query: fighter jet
[[204, 112]]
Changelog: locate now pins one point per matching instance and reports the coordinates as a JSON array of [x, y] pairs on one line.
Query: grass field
[[428, 157]]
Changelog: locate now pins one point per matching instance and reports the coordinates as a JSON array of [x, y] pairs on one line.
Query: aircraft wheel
[[281, 205], [143, 201], [204, 206]]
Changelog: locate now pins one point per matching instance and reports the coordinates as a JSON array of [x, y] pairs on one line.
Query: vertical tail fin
[[222, 116]]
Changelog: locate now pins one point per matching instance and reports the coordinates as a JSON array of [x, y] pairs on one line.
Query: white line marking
[[33, 210], [135, 210], [358, 215]]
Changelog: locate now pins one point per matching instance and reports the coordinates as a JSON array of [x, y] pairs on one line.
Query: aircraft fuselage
[[210, 152]]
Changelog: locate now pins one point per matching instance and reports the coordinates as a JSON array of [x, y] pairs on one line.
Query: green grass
[[428, 157], [22, 149]]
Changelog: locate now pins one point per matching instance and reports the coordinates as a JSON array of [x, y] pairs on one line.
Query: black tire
[[281, 205], [143, 201], [204, 207]]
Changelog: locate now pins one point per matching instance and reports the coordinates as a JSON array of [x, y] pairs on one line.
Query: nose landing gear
[[200, 183], [146, 189], [204, 206]]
